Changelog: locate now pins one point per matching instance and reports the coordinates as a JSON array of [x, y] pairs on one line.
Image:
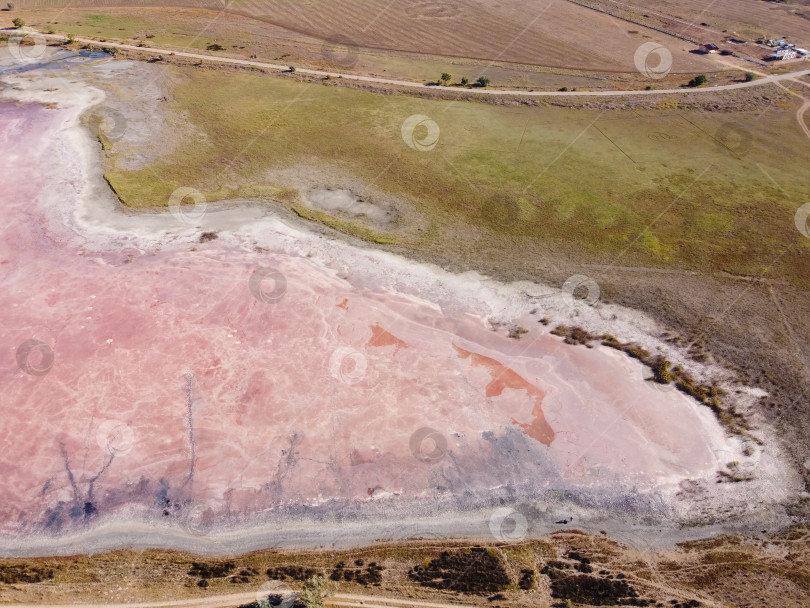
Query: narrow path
[[233, 600], [411, 84]]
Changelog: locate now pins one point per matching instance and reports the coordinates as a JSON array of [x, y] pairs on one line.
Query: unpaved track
[[421, 85], [235, 599]]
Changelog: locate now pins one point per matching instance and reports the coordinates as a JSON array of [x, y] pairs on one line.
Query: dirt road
[[235, 599], [411, 84]]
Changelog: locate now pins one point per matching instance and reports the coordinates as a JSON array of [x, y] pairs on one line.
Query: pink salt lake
[[173, 381]]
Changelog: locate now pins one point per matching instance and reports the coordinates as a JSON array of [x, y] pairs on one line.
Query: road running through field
[[234, 599], [411, 84]]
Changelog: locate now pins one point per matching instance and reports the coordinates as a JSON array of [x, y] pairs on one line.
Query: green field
[[653, 187]]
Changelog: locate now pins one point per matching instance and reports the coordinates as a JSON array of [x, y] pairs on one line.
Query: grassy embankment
[[652, 188]]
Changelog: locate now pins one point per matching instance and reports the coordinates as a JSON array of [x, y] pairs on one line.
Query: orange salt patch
[[504, 377], [344, 304], [380, 337]]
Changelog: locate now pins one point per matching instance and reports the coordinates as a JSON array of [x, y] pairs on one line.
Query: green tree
[[465, 81], [697, 81], [18, 23], [749, 76], [316, 591], [10, 6], [445, 78], [482, 81], [292, 69]]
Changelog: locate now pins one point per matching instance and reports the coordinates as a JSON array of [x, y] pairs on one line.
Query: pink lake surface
[[173, 383]]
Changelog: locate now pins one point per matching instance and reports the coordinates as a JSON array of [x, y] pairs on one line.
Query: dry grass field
[[567, 568], [555, 34]]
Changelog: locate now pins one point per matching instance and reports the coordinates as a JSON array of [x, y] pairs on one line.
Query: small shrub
[[18, 23], [482, 81], [316, 591], [465, 81], [750, 76], [697, 81]]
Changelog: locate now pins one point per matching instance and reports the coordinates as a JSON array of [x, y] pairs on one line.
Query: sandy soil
[[157, 359]]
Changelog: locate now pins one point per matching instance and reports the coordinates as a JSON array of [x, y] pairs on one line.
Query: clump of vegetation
[[316, 591], [214, 47], [473, 571], [661, 373], [18, 23], [586, 589], [697, 81], [371, 576], [573, 335], [517, 332], [208, 236], [445, 78], [294, 572], [465, 81], [11, 574], [526, 581], [212, 570], [750, 76], [482, 81]]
